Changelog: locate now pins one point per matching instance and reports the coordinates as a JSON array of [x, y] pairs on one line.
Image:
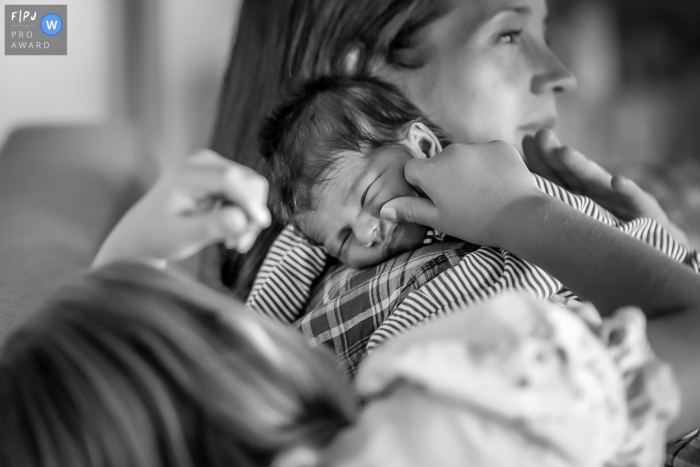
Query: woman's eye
[[509, 37]]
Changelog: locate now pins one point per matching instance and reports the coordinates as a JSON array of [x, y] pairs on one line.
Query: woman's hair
[[135, 367], [320, 123], [282, 43]]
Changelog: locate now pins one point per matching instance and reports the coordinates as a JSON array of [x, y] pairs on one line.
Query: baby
[[337, 152]]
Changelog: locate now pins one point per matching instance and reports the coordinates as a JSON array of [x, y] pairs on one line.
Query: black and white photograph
[[350, 233]]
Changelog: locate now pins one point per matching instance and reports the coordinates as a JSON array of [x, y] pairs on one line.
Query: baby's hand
[[204, 200], [468, 188]]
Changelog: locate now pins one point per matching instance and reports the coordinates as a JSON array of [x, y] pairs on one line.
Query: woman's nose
[[554, 76], [366, 229]]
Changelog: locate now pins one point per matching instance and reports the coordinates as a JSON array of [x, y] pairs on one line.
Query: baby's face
[[346, 219]]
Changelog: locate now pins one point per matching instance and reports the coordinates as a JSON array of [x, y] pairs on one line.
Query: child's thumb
[[409, 209]]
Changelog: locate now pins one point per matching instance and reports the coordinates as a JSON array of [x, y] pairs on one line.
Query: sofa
[[62, 188]]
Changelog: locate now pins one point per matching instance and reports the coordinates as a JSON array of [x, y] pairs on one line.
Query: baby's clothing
[[355, 310]]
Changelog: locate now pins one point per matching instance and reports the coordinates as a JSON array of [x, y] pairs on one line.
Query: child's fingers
[[248, 189], [192, 233], [238, 231], [247, 240], [410, 209], [207, 176], [201, 179], [206, 156], [227, 224], [233, 222]]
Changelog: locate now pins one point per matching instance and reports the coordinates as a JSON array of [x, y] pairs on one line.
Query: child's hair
[[135, 367], [328, 117]]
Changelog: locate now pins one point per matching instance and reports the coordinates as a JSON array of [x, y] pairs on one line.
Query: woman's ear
[[422, 140]]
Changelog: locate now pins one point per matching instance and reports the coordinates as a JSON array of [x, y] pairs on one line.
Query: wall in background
[[61, 89], [195, 39], [155, 63], [637, 108]]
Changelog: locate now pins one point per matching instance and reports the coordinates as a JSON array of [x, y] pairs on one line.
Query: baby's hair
[[133, 366], [327, 118]]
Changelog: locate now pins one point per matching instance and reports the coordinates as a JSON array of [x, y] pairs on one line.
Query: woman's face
[[489, 73]]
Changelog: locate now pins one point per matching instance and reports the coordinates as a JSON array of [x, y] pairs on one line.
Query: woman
[[481, 69]]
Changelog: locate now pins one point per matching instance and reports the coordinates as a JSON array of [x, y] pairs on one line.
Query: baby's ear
[[422, 140]]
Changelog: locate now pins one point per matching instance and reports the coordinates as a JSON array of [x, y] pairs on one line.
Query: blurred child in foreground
[[135, 367]]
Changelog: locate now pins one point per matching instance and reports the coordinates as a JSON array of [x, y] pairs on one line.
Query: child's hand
[[204, 200], [468, 188], [570, 169]]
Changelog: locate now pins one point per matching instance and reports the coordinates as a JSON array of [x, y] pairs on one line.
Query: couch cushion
[[61, 191]]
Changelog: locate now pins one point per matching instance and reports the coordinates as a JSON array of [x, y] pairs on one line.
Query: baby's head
[[337, 150]]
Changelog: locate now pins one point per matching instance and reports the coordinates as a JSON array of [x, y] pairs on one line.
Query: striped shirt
[[353, 311]]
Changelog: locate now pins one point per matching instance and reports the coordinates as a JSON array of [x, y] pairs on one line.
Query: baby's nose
[[366, 230]]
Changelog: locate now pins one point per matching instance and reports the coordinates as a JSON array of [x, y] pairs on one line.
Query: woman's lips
[[538, 125]]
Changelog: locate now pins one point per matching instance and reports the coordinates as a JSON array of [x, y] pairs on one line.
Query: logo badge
[[51, 24], [36, 29]]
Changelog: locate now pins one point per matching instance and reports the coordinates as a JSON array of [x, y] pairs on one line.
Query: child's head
[[337, 151], [136, 367]]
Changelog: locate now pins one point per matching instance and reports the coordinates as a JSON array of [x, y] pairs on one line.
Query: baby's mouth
[[390, 243]]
